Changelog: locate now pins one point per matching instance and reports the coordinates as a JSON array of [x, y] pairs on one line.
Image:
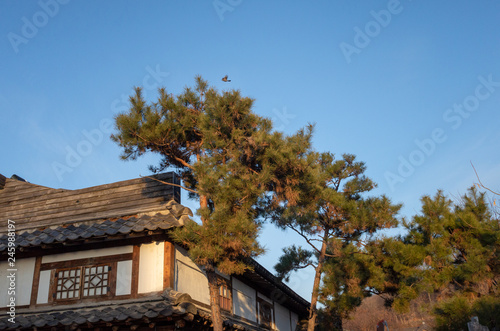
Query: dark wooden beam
[[36, 281], [87, 261], [168, 265], [88, 244], [112, 280], [135, 271]]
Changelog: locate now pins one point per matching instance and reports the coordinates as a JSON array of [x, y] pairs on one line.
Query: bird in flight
[[224, 79]]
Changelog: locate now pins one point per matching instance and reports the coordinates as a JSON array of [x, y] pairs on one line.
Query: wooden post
[[135, 271], [36, 281], [169, 265]]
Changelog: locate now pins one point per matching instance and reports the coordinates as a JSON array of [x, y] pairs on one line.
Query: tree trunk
[[313, 313], [214, 299], [213, 285]]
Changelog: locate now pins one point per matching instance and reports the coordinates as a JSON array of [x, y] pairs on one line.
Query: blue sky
[[411, 87]]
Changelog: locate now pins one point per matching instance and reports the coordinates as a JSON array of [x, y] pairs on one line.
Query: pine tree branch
[[337, 185], [171, 184], [331, 255], [181, 161], [350, 253], [310, 264], [305, 238]]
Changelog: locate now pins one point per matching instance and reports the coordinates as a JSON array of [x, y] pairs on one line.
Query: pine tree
[[452, 251], [335, 220], [459, 243], [227, 157]]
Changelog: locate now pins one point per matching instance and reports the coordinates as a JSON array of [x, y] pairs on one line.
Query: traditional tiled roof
[[280, 292], [33, 206], [48, 217], [72, 316], [168, 307], [174, 215], [170, 304]]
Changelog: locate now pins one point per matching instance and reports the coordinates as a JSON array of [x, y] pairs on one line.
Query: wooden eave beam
[[90, 243]]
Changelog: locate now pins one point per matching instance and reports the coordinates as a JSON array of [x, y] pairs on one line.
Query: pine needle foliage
[[452, 251], [459, 244], [335, 219], [227, 157]]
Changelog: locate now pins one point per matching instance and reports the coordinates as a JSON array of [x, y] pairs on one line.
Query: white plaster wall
[[23, 281], [294, 319], [151, 263], [282, 318], [189, 278], [124, 277], [191, 281], [87, 254], [244, 300], [182, 255], [43, 287]]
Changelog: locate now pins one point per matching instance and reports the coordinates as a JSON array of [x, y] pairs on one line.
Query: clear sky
[[411, 87]]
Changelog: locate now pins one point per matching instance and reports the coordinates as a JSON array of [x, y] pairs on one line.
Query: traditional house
[[101, 258]]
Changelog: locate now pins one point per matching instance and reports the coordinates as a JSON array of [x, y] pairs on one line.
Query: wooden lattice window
[[95, 280], [265, 313], [225, 295], [82, 282], [68, 283]]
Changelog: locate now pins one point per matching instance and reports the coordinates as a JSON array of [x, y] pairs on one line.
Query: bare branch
[[481, 184], [181, 161], [171, 184], [305, 238]]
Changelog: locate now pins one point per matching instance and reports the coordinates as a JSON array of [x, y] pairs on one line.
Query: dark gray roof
[[46, 216], [114, 313], [104, 312], [279, 291], [174, 215], [33, 206], [171, 304]]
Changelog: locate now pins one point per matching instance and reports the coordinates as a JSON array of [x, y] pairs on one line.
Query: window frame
[[56, 283], [81, 283], [99, 285], [110, 260], [227, 300], [263, 324]]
